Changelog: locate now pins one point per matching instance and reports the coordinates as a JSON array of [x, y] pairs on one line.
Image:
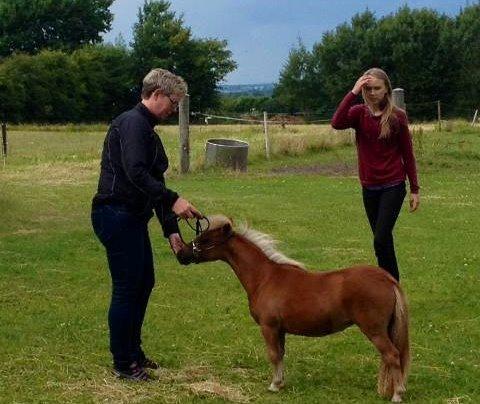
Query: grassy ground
[[54, 285]]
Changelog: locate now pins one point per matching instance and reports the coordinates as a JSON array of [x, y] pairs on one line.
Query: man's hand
[[176, 242], [185, 209], [414, 202]]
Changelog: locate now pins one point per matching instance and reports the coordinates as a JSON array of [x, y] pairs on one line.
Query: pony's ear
[[231, 220]]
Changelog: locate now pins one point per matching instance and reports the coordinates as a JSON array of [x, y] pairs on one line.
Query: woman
[[130, 187], [385, 158]]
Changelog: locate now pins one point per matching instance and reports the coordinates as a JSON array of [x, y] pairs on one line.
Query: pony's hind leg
[[275, 340], [390, 380]]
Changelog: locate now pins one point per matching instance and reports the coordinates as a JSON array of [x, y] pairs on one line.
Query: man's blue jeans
[[129, 252]]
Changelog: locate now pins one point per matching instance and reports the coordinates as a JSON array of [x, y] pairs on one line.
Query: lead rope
[[198, 229]]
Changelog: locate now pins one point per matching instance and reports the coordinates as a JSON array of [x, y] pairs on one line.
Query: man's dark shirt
[[132, 169]]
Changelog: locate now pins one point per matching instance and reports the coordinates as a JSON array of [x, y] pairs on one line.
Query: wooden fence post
[[183, 122], [439, 113], [474, 117], [398, 95], [4, 143], [265, 131]]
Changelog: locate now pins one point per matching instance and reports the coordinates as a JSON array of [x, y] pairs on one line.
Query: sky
[[260, 33]]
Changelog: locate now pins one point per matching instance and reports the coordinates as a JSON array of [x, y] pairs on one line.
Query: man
[[130, 187]]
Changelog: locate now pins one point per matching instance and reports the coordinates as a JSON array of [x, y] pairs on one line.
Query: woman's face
[[162, 105], [375, 91]]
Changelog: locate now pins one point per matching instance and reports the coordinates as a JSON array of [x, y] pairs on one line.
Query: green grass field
[[55, 287]]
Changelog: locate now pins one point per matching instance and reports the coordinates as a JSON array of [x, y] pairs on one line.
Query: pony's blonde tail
[[398, 333]]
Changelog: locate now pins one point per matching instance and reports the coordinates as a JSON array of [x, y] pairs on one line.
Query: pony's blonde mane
[[263, 241], [216, 221], [268, 245]]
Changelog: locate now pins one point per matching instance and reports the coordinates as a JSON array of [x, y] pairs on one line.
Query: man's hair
[[165, 81]]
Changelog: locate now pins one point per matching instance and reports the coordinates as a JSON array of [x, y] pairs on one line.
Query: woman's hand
[[185, 209], [360, 83], [176, 242], [414, 202]]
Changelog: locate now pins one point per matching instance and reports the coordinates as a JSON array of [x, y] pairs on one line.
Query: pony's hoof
[[273, 388], [396, 398]]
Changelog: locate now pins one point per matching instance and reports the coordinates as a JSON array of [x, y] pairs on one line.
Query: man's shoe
[[148, 364], [134, 372]]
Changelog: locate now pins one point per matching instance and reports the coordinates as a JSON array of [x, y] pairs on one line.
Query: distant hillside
[[264, 89]]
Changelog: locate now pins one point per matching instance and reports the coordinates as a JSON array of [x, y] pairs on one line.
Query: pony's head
[[209, 245]]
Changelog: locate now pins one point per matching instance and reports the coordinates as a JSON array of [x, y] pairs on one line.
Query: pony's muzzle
[[185, 255]]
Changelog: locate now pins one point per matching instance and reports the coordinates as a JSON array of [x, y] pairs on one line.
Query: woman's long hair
[[388, 115]]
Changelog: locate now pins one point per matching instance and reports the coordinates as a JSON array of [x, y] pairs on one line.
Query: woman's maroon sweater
[[380, 161]]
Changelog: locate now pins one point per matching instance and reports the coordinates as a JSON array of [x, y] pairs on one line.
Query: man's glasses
[[174, 103]]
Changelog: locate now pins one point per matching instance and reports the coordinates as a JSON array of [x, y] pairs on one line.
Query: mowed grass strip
[[55, 287]]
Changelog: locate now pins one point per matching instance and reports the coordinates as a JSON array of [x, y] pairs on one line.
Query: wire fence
[[417, 112], [273, 118]]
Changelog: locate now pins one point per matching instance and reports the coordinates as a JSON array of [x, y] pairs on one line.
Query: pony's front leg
[[275, 340]]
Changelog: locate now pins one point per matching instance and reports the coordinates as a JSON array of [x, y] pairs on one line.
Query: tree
[[28, 26], [432, 56], [345, 53], [317, 80], [161, 40], [104, 81], [90, 85], [13, 92], [248, 104], [417, 48], [293, 89], [467, 96], [208, 62], [40, 88]]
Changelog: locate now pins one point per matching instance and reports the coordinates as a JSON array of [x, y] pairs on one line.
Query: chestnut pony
[[286, 298]]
